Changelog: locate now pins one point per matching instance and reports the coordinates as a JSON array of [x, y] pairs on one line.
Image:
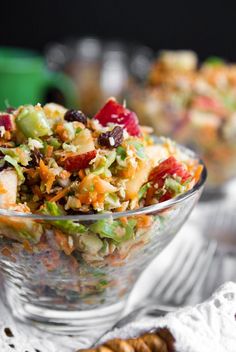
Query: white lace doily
[[19, 337]]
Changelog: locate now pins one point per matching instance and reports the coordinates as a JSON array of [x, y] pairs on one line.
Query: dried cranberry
[[75, 115], [111, 139]]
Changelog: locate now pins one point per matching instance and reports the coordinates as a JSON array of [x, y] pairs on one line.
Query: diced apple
[[141, 176], [113, 112], [84, 142], [20, 229], [102, 186], [99, 185], [54, 111], [8, 187], [79, 161], [156, 153]]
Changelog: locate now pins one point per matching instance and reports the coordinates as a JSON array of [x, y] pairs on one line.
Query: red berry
[[113, 112], [78, 162], [168, 167]]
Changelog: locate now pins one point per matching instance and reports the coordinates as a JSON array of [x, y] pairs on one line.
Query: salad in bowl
[[195, 105], [85, 205]]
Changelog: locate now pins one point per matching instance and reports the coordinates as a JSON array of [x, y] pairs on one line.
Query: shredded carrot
[[84, 198], [149, 196], [60, 194], [49, 151], [60, 130], [81, 174], [86, 184], [46, 175], [87, 198], [100, 198], [98, 185], [12, 222], [97, 199], [143, 221], [7, 135], [43, 169], [128, 173], [93, 196], [124, 220], [33, 173], [102, 186], [27, 246], [92, 190], [62, 241], [36, 190], [121, 208]]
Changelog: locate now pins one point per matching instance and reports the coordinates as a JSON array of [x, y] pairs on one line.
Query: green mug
[[25, 79]]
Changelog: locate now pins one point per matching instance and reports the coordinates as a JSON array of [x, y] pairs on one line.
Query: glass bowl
[[211, 136], [84, 290]]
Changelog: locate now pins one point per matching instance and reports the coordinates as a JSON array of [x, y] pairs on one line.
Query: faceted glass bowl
[[87, 289]]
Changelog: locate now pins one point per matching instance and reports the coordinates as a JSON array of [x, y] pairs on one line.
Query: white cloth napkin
[[207, 327]]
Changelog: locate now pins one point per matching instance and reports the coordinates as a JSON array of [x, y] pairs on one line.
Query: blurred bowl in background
[[195, 106]]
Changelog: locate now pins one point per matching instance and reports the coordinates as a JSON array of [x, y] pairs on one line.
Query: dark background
[[207, 27]]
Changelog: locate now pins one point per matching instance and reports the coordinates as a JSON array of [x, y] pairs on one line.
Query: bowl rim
[[109, 215]]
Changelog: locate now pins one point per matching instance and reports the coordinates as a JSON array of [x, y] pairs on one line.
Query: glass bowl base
[[90, 323]]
